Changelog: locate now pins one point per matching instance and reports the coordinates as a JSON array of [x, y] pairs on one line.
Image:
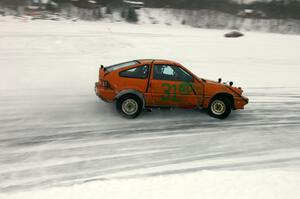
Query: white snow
[[57, 140], [134, 2], [205, 184]]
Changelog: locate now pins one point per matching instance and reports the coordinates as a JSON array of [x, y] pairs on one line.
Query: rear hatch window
[[121, 65]]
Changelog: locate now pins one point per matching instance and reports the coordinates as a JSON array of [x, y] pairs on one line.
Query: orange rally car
[[148, 83]]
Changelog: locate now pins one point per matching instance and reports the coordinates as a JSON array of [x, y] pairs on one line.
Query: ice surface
[[205, 184], [55, 132]]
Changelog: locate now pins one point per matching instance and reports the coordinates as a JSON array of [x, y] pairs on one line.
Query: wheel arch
[[131, 92], [227, 95]]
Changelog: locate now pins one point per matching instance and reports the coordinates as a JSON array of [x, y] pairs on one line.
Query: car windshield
[[121, 65]]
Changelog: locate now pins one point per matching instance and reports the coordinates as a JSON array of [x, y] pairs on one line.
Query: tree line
[[278, 9]]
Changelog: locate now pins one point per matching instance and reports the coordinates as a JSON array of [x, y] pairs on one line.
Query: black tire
[[130, 106], [219, 107]]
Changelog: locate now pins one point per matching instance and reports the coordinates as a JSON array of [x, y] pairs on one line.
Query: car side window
[[171, 73], [182, 75], [137, 72]]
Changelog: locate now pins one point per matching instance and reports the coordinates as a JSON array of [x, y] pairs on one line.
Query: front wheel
[[219, 107], [130, 106]]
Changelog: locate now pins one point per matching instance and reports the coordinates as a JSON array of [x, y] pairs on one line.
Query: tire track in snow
[[57, 142]]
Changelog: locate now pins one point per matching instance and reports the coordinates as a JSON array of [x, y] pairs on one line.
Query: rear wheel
[[219, 107], [130, 106]]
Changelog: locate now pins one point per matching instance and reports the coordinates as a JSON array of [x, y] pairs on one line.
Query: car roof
[[149, 61]]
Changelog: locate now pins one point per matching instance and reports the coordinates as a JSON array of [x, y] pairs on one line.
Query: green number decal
[[167, 91], [174, 98], [185, 88], [166, 97]]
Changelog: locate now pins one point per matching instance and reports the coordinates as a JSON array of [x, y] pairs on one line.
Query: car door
[[171, 85]]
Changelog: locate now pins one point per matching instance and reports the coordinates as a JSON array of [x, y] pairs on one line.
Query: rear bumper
[[105, 94]]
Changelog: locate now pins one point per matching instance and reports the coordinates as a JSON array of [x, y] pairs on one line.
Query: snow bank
[[216, 20], [260, 184], [196, 18]]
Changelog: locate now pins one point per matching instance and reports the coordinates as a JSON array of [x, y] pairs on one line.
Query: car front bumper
[[240, 102]]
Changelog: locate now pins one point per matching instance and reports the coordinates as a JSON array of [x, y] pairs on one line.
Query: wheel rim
[[218, 107], [129, 107]]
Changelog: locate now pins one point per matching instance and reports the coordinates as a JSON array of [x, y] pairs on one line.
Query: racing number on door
[[184, 89], [167, 91]]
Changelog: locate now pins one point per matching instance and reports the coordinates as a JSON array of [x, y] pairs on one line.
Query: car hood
[[237, 90]]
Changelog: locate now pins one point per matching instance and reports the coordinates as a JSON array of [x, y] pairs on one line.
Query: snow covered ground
[[58, 140]]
